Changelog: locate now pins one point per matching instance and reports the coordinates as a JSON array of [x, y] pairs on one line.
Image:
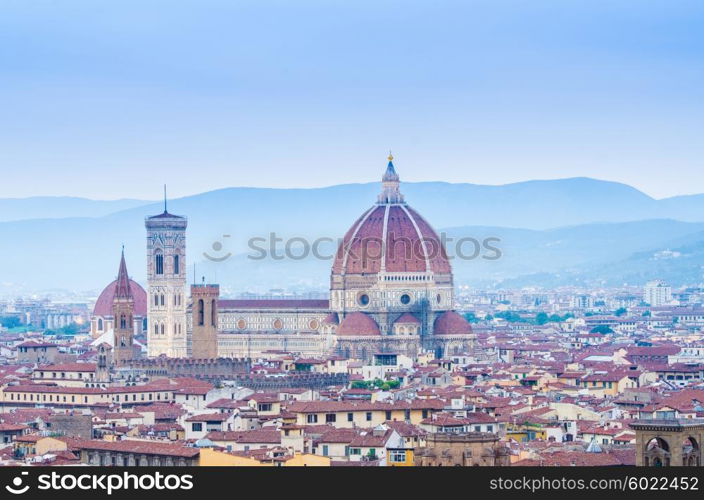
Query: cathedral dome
[[358, 324], [451, 323], [391, 237], [103, 306]]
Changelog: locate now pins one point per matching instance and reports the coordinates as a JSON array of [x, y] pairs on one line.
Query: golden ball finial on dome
[[391, 157]]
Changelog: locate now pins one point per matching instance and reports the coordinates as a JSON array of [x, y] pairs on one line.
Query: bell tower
[[204, 338], [166, 280], [123, 317]]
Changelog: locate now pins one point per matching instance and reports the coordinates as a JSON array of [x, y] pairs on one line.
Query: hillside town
[[554, 378]]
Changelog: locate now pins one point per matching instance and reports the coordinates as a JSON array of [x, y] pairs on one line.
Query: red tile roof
[[141, 447], [209, 417], [68, 367], [265, 436], [32, 343]]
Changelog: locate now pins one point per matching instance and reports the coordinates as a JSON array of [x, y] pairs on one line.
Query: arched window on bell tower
[[213, 318], [177, 267], [123, 322], [201, 312], [159, 263]]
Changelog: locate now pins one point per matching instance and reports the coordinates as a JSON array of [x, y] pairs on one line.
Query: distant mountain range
[[552, 232], [530, 205], [57, 207]]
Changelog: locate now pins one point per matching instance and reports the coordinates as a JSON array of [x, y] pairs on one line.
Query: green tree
[[10, 321], [471, 317], [511, 317], [603, 329], [620, 311], [541, 318], [359, 384]]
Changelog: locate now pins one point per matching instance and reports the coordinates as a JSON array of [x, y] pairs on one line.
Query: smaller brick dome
[[407, 319], [358, 324], [451, 323], [103, 306], [331, 319]]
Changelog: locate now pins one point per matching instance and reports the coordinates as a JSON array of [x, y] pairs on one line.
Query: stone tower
[[123, 314], [104, 362], [166, 279], [204, 337]]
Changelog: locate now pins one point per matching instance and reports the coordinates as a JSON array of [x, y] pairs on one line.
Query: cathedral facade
[[391, 291]]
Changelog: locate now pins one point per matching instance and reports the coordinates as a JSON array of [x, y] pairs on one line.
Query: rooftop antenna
[[165, 211]]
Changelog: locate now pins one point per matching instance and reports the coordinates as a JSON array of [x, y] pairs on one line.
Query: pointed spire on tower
[[123, 290], [165, 211]]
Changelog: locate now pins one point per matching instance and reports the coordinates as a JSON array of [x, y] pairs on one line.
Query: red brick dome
[[411, 244], [451, 323], [358, 324], [103, 306], [331, 319], [391, 237], [407, 319]]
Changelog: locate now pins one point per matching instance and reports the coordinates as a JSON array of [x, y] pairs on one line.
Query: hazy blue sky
[[112, 99]]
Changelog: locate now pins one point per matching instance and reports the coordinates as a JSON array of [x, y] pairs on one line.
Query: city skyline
[[351, 234]]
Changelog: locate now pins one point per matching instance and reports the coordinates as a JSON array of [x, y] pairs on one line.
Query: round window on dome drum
[[405, 299], [363, 299]]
